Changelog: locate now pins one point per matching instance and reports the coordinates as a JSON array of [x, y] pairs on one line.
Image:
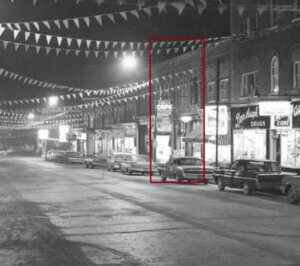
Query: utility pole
[[217, 110]]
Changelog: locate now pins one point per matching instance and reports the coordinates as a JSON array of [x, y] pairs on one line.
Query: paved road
[[54, 214]]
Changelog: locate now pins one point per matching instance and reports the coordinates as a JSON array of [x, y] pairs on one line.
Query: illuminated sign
[[211, 120], [272, 108], [164, 105]]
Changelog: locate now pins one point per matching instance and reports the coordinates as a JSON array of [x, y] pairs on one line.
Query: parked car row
[[258, 175], [59, 156]]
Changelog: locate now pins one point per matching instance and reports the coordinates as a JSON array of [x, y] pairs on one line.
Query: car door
[[169, 168], [229, 174]]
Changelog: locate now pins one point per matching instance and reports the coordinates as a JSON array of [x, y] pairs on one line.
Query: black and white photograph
[[150, 132]]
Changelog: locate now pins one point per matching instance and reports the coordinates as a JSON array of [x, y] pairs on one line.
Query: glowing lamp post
[[43, 136], [129, 62], [31, 116], [53, 100]]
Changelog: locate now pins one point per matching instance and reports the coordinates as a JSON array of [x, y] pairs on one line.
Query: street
[[54, 214]]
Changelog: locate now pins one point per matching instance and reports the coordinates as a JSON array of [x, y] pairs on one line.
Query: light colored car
[[114, 162], [137, 164], [95, 160]]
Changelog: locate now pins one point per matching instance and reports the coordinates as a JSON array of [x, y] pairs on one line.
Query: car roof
[[256, 160], [187, 157], [122, 153]]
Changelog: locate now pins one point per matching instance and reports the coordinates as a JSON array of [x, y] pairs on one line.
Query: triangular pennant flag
[[37, 26], [58, 39], [27, 34], [17, 25], [16, 46], [47, 24], [47, 50], [261, 9], [100, 2], [87, 53], [87, 21], [37, 37], [114, 44], [67, 51], [88, 43], [139, 45], [222, 8], [58, 50], [27, 26], [77, 52], [161, 5], [76, 22], [69, 41], [131, 44], [141, 3], [148, 11], [79, 41], [111, 17], [2, 29], [16, 33], [123, 45], [106, 54], [98, 44], [48, 38], [124, 15], [57, 23], [116, 54], [176, 50], [179, 6], [9, 26], [66, 23], [241, 9], [135, 13], [26, 46], [96, 53]]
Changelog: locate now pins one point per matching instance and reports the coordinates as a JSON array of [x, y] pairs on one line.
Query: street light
[[129, 62], [53, 100], [31, 116]]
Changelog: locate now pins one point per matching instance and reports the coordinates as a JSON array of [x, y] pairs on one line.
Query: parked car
[[250, 175], [51, 155], [71, 157], [96, 160], [137, 164], [291, 188], [185, 168], [114, 162]]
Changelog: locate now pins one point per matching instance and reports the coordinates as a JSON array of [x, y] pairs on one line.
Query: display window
[[163, 150], [290, 148], [249, 144]]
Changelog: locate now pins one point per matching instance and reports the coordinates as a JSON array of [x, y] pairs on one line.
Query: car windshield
[[141, 158], [188, 161], [263, 166], [120, 156]]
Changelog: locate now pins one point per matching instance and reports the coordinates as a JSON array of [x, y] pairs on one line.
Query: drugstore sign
[[248, 118]]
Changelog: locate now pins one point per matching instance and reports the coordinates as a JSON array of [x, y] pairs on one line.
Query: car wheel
[[221, 185], [292, 195], [246, 189]]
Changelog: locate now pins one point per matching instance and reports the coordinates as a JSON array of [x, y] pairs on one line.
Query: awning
[[195, 135]]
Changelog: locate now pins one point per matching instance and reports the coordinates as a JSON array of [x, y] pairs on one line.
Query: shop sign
[[248, 118], [274, 108], [164, 105], [281, 122], [211, 120], [296, 115]]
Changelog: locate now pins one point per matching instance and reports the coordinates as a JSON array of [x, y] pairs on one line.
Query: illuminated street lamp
[[129, 62], [31, 116], [53, 100]]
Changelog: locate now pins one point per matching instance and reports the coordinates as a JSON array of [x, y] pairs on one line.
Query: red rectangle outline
[[203, 43]]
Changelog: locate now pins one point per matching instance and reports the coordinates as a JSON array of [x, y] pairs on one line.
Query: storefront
[[250, 133], [124, 138]]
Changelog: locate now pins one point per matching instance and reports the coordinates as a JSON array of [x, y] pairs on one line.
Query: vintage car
[[185, 168], [114, 161], [250, 175], [71, 157], [95, 160], [291, 188], [137, 164], [54, 155]]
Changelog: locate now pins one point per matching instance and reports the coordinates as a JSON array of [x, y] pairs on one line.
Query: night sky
[[93, 73]]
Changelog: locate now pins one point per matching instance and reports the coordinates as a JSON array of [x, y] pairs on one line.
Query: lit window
[[274, 75], [296, 75], [249, 84]]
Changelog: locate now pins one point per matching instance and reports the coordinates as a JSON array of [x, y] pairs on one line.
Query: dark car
[[114, 162], [96, 160], [71, 157], [291, 187], [185, 168], [250, 175], [137, 164]]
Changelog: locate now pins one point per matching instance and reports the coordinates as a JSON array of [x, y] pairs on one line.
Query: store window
[[224, 89], [274, 75], [296, 8], [211, 92], [249, 84], [273, 13], [296, 75]]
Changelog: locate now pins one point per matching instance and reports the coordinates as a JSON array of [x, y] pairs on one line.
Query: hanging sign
[[271, 108], [211, 120], [281, 122]]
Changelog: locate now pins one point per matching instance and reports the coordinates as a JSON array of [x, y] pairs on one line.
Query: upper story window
[[274, 75], [249, 23], [211, 92], [296, 8], [249, 84], [224, 89], [273, 13], [296, 75], [194, 92]]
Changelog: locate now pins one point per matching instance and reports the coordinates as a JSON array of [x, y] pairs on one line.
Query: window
[[194, 92], [249, 84], [296, 75], [273, 13], [249, 23], [211, 89], [224, 89], [274, 75], [296, 8]]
